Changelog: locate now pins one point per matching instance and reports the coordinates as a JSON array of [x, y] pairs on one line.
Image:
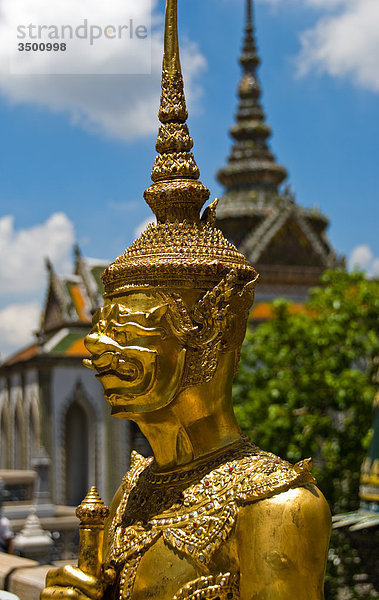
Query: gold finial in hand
[[92, 513]]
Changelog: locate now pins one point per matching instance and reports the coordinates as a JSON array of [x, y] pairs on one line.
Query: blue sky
[[77, 150]]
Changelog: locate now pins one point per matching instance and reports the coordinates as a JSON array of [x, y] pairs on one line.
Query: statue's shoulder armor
[[210, 506], [138, 463], [244, 475], [195, 515], [259, 474]]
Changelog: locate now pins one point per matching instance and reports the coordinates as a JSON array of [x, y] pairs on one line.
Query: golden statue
[[210, 516]]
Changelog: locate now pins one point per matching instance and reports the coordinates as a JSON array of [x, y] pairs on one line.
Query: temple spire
[[176, 194], [286, 242], [249, 57], [250, 162], [249, 13]]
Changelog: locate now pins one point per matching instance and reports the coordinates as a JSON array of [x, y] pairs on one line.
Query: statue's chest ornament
[[194, 510], [224, 586]]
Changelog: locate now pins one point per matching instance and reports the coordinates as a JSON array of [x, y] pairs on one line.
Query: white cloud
[[140, 228], [17, 324], [117, 106], [23, 252], [345, 44], [22, 272], [328, 4], [363, 258], [124, 206]]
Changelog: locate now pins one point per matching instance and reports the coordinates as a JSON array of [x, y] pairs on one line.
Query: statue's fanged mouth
[[129, 369], [133, 367]]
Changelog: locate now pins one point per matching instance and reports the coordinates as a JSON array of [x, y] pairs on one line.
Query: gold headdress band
[[183, 251]]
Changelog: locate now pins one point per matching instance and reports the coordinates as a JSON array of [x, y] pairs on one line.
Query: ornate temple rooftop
[[285, 242], [66, 317]]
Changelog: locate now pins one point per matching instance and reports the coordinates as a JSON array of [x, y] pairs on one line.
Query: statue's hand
[[71, 583]]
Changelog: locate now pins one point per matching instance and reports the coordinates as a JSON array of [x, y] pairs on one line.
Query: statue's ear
[[239, 308], [157, 313], [210, 313], [246, 297]]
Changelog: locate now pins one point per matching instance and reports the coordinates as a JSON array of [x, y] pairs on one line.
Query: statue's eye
[[98, 325], [119, 336], [96, 318]]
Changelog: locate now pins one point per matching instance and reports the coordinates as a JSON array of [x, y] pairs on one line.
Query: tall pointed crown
[[183, 250]]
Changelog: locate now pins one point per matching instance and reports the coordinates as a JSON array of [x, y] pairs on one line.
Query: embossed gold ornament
[[210, 516], [92, 513]]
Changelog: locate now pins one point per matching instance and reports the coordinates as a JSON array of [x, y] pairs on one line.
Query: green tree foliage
[[304, 386]]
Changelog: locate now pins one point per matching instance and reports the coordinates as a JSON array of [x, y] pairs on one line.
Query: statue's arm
[[283, 545], [70, 583]]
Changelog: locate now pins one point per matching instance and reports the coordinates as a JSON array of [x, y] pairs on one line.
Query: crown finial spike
[[171, 60], [173, 104], [176, 194], [181, 251]]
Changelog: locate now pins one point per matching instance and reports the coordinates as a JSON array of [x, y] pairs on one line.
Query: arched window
[[33, 431], [3, 441], [18, 441], [76, 445]]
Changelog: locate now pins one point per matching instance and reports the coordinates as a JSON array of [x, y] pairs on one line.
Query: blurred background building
[[285, 242]]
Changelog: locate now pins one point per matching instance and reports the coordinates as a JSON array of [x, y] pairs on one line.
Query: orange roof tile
[[77, 349], [23, 355], [79, 303], [264, 311]]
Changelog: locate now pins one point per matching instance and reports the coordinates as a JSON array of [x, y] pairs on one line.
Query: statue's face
[[138, 360]]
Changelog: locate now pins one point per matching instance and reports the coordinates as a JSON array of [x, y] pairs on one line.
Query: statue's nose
[[97, 344], [91, 343]]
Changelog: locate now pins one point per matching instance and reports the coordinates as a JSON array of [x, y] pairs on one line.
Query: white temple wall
[[19, 419], [73, 395], [32, 415], [73, 385], [4, 425], [17, 423]]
